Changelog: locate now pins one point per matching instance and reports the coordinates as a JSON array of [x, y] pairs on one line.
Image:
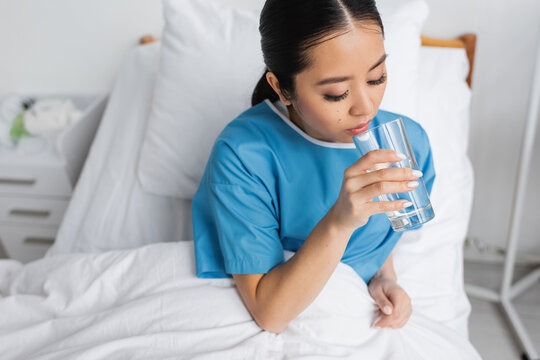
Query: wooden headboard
[[465, 41]]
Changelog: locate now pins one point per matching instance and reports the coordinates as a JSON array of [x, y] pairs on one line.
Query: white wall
[[70, 46], [508, 35], [67, 46], [508, 39]]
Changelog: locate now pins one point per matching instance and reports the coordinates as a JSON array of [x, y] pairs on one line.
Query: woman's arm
[[387, 270], [277, 297]]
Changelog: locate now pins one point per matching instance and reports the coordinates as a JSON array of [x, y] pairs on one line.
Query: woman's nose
[[362, 104]]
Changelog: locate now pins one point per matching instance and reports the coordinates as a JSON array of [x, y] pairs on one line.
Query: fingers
[[368, 161], [401, 311], [369, 192], [396, 320], [390, 175], [384, 304], [379, 207]]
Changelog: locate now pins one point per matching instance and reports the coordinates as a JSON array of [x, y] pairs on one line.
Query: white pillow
[[403, 21], [438, 245], [210, 63], [444, 96]]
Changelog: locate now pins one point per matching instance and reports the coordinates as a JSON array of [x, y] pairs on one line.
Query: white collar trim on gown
[[281, 110]]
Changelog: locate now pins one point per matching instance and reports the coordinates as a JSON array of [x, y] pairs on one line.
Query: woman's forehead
[[354, 50]]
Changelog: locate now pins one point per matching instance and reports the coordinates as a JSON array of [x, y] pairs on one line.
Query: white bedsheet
[[147, 304]]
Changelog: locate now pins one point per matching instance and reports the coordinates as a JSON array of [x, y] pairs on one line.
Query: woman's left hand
[[393, 301]]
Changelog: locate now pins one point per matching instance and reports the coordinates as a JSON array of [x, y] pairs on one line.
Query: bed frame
[[465, 41]]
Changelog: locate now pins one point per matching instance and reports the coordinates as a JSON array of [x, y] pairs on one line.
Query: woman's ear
[[274, 83]]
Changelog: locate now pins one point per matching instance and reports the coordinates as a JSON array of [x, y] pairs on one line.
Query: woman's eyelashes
[[337, 98], [379, 81]]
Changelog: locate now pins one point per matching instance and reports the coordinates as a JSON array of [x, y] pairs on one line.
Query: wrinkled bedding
[[147, 303]]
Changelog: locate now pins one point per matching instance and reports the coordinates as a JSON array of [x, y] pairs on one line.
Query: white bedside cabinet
[[35, 189]]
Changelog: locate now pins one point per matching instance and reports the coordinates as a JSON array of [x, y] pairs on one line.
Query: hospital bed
[[119, 282]]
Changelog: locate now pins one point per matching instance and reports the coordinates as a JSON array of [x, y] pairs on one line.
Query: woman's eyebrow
[[381, 60], [339, 79], [333, 80]]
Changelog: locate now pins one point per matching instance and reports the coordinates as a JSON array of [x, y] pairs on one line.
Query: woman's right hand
[[360, 186]]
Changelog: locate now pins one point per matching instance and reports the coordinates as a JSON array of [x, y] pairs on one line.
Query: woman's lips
[[358, 130]]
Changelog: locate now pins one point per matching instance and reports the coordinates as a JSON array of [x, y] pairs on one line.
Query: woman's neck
[[297, 120]]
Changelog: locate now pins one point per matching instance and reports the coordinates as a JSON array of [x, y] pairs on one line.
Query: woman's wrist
[[387, 270], [336, 226], [338, 230], [384, 275]]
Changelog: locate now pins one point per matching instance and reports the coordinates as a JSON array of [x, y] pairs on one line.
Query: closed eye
[[337, 98], [379, 81]]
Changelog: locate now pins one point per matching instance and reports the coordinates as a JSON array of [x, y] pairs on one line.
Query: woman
[[285, 175]]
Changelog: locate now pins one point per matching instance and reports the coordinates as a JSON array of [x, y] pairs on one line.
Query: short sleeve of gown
[[235, 222]]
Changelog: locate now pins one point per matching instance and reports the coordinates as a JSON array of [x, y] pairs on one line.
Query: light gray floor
[[489, 330]]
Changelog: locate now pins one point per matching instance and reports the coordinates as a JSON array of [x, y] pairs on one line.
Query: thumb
[[383, 303]]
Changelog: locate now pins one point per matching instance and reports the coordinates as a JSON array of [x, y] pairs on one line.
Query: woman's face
[[340, 92]]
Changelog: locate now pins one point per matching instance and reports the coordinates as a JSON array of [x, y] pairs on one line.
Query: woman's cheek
[[380, 95]]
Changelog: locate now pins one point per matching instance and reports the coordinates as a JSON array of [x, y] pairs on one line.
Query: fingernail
[[401, 156], [387, 310], [413, 184], [407, 204], [417, 173]]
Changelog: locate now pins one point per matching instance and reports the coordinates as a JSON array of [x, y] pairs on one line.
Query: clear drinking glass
[[391, 135]]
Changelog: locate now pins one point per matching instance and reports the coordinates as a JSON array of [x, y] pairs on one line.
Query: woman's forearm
[[289, 288], [387, 269]]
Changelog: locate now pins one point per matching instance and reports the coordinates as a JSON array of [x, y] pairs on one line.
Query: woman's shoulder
[[252, 125], [245, 146]]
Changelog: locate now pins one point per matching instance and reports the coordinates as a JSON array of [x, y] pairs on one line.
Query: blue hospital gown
[[267, 184]]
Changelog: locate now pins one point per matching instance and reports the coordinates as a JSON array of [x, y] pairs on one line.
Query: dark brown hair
[[290, 27]]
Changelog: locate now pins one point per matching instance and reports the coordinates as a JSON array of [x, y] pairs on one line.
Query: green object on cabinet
[[18, 130]]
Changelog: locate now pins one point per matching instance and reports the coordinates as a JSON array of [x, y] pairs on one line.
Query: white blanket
[[147, 303]]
